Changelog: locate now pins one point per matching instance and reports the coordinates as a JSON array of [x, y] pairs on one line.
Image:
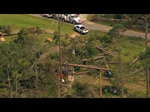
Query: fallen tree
[[86, 66], [105, 51]]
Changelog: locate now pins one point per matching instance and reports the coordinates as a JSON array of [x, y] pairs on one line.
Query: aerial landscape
[[74, 56]]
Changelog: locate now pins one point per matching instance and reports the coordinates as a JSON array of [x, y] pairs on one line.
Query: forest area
[[97, 65]]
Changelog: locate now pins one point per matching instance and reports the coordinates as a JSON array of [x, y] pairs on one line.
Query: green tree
[[48, 78], [10, 53]]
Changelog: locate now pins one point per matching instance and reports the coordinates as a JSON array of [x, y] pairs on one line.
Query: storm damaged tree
[[115, 33]]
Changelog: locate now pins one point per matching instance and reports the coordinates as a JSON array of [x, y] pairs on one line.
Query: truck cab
[[71, 18]]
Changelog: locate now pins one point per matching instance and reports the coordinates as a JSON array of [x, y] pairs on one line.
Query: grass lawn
[[132, 46], [18, 21], [10, 38], [42, 37]]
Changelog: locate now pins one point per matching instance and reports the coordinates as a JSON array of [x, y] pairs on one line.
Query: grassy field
[[18, 21]]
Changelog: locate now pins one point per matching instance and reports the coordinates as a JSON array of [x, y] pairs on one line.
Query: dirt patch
[[2, 39], [49, 31], [74, 35], [134, 87]]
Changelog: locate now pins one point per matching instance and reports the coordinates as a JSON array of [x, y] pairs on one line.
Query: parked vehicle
[[47, 15], [81, 29], [71, 18]]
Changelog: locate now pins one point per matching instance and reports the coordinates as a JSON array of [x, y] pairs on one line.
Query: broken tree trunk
[[135, 60], [98, 57], [139, 70], [105, 51]]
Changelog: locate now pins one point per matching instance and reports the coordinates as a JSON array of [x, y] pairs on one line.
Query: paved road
[[103, 28]]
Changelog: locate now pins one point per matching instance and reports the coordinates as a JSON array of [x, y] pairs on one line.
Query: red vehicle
[[64, 74]]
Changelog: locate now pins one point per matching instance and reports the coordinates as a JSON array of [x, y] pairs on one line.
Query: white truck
[[71, 18]]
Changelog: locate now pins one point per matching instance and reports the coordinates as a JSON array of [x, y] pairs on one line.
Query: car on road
[[81, 29]]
